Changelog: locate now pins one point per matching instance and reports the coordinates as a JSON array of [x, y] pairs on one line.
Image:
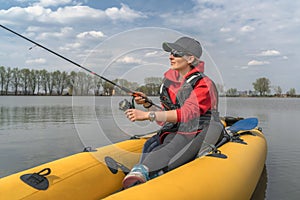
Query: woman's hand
[[141, 99], [136, 115]]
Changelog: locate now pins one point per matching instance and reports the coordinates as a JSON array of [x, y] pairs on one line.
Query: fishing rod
[[128, 91]]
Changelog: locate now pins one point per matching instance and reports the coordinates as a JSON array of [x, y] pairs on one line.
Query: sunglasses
[[177, 54]]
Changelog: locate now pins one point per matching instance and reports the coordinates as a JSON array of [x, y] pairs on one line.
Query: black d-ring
[[43, 170]]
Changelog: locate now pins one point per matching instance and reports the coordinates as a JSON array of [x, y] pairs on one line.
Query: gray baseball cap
[[184, 44]]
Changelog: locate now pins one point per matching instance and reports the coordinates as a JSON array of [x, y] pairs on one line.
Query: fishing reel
[[125, 104]]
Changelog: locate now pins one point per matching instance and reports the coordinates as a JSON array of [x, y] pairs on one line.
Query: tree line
[[15, 81], [262, 87]]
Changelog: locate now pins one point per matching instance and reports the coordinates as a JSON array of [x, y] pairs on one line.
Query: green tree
[[152, 89], [291, 92], [220, 88], [51, 81], [81, 83], [278, 91], [108, 88], [143, 89], [25, 80], [2, 78], [88, 84], [63, 81], [71, 82], [56, 77], [97, 82], [7, 77], [262, 85], [153, 80], [33, 80], [231, 92], [15, 83], [126, 84], [38, 81], [123, 83], [152, 85], [78, 84], [44, 80]]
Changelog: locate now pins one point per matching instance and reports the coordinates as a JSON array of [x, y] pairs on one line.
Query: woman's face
[[179, 63]]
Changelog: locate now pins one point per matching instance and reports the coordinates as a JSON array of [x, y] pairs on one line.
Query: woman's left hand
[[136, 115]]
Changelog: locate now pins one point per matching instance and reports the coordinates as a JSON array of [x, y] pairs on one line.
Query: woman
[[189, 100]]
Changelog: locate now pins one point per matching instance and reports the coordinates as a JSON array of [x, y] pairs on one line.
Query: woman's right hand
[[140, 98]]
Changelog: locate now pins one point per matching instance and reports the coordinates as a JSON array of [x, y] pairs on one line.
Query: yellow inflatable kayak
[[230, 172]]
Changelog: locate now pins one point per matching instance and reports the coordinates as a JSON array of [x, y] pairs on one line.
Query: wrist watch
[[152, 116]]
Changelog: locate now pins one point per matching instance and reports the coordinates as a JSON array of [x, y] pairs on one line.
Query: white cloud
[[65, 31], [225, 30], [67, 14], [90, 34], [270, 53], [231, 39], [33, 29], [71, 46], [19, 14], [129, 60], [257, 62], [71, 14], [47, 3], [36, 61], [152, 53], [247, 28], [124, 13]]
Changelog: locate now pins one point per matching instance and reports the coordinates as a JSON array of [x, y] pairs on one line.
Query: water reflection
[[21, 116], [261, 187]]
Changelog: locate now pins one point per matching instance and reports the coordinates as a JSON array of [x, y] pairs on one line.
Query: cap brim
[[168, 47]]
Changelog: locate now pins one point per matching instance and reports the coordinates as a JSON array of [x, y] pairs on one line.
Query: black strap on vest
[[190, 82]]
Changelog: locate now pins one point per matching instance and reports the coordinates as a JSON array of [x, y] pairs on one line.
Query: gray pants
[[178, 149]]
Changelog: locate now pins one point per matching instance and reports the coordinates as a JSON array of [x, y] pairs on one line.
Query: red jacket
[[202, 99]]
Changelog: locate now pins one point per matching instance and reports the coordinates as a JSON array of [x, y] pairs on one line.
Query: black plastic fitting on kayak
[[37, 180], [88, 149]]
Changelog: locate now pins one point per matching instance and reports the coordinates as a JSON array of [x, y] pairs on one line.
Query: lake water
[[35, 130]]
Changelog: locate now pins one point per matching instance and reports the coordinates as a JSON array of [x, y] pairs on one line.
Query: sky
[[242, 40]]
